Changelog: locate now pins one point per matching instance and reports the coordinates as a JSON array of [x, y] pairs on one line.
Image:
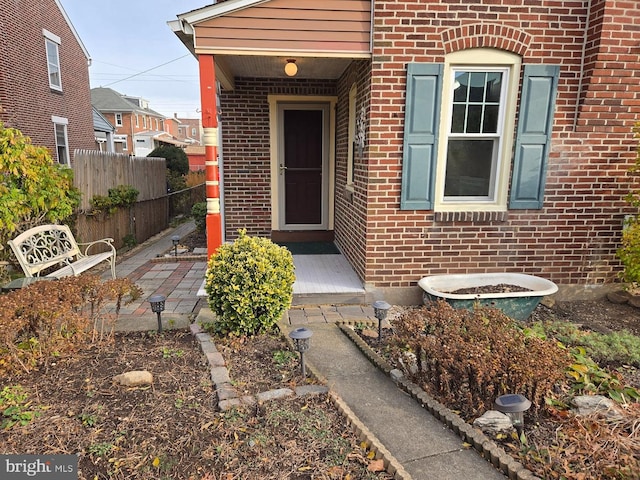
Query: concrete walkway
[[424, 446], [179, 282]]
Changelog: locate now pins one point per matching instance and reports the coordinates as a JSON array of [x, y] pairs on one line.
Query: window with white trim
[[62, 141], [476, 130], [137, 121], [118, 119], [461, 142], [144, 121], [52, 47]]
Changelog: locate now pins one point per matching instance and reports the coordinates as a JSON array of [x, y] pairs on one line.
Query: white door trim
[[276, 106]]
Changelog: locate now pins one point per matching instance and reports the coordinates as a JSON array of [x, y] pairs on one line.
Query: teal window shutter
[[533, 138], [422, 116]]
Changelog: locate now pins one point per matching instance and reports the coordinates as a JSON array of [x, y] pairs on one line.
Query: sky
[[131, 38]]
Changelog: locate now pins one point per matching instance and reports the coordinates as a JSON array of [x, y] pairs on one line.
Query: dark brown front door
[[303, 156]]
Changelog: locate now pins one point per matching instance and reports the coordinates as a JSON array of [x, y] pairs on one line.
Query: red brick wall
[[246, 150], [573, 239], [26, 99], [351, 206]]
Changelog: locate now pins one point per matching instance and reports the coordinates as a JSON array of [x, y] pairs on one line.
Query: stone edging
[[486, 447], [179, 258], [228, 398]]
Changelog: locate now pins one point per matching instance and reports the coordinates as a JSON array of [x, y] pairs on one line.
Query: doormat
[[310, 248]]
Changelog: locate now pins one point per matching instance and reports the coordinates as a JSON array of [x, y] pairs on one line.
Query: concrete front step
[[344, 298]]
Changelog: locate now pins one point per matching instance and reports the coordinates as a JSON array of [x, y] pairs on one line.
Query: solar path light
[[157, 307], [175, 240], [380, 310], [513, 405], [301, 342]]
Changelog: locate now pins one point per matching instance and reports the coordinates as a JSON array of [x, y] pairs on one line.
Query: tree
[[34, 189], [177, 164]]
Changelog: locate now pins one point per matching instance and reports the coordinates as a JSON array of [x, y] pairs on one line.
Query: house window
[[137, 121], [193, 132], [52, 44], [157, 125], [120, 143], [474, 136], [62, 142], [352, 135], [118, 119], [459, 145], [144, 121]]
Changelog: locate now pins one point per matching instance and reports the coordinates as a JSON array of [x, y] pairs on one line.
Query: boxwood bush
[[249, 285]]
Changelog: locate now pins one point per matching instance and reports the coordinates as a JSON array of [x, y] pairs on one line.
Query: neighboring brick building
[[429, 137], [44, 77], [139, 129], [189, 130]]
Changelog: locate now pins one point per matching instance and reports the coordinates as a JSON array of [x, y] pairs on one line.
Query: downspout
[[582, 61], [208, 94]]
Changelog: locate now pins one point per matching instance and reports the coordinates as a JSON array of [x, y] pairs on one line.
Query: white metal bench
[[45, 246]]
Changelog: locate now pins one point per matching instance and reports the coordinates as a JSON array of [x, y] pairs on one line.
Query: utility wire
[[148, 70]]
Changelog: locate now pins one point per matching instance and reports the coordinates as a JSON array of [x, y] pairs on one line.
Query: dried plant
[[50, 318], [473, 356]]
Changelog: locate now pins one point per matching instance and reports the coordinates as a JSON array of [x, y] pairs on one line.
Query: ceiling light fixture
[[291, 68]]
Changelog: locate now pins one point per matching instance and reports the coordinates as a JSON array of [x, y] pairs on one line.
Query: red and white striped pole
[[210, 140]]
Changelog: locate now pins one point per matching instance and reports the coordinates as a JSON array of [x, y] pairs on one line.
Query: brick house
[[139, 129], [44, 77], [189, 130], [425, 137]]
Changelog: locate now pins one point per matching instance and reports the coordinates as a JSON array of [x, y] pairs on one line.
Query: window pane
[[474, 119], [490, 123], [494, 86], [476, 86], [61, 143], [53, 63], [469, 168], [457, 122], [460, 87]]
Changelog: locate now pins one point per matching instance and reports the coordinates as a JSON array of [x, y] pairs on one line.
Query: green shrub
[[629, 252], [122, 196], [199, 214], [249, 285], [34, 188]]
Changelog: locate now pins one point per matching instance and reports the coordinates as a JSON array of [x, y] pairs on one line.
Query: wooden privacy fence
[[96, 172]]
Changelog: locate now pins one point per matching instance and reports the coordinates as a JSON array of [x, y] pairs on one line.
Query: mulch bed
[[172, 428]]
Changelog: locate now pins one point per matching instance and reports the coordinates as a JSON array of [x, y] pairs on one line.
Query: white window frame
[[121, 139], [137, 121], [144, 121], [118, 119], [52, 49], [61, 123], [480, 59]]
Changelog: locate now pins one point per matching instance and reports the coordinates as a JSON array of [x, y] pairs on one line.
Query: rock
[[134, 378], [376, 465], [634, 301], [548, 302], [493, 422], [619, 296], [589, 404], [369, 333]]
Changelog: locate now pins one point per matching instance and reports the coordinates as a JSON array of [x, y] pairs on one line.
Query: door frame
[[277, 104]]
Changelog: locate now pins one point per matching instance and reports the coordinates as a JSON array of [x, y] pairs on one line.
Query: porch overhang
[[255, 38]]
